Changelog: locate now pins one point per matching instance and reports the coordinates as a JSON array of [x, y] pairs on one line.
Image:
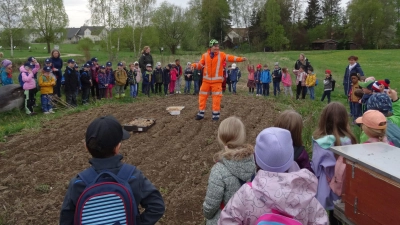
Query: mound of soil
[[175, 154]]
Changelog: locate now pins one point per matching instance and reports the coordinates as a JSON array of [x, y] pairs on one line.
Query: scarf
[[351, 67]]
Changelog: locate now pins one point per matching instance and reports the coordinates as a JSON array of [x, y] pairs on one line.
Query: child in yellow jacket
[[310, 82], [46, 84]]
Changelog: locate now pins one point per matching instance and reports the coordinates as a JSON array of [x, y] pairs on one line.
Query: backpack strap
[[88, 175], [126, 172]]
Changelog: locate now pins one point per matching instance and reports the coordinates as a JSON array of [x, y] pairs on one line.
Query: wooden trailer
[[372, 184]]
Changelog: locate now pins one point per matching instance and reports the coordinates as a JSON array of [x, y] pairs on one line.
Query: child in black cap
[[102, 82], [86, 82], [103, 141], [71, 83]]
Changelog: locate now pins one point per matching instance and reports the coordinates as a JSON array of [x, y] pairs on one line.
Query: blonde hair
[[293, 122], [231, 137], [379, 134], [131, 64], [144, 49]]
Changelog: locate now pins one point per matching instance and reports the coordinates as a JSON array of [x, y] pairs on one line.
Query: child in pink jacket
[[278, 186], [287, 82], [29, 85], [174, 75], [251, 84]]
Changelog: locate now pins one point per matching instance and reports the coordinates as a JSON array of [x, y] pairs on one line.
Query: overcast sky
[[78, 12]]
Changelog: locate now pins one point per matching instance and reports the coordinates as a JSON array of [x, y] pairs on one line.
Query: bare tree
[[10, 18], [143, 10]]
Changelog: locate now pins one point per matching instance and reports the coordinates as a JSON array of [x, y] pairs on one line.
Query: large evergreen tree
[[313, 14]]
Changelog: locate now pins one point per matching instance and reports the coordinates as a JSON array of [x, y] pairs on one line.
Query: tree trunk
[[133, 38], [140, 39], [48, 46], [173, 49], [12, 43]]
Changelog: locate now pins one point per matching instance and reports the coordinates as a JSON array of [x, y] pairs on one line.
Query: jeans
[[85, 95], [166, 91], [301, 90], [327, 93], [152, 87], [29, 100], [158, 88], [277, 87], [259, 88], [356, 108], [312, 93], [71, 98], [46, 103], [265, 89], [188, 85], [196, 86], [133, 88], [234, 86]]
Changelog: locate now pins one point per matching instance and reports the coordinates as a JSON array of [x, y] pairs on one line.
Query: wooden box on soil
[[139, 125], [372, 184]]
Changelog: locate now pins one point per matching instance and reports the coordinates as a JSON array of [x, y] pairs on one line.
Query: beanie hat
[[328, 72], [259, 66], [276, 64], [158, 64], [274, 150], [6, 63], [380, 102], [385, 83], [234, 66]]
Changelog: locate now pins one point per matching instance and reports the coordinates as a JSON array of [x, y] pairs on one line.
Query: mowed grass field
[[378, 63]]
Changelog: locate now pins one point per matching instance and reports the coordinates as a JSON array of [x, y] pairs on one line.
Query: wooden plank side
[[377, 200]]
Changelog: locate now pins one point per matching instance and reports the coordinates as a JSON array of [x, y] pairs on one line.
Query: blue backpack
[[21, 82], [107, 198]]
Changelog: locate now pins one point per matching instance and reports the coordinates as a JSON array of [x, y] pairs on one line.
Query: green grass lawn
[[378, 63]]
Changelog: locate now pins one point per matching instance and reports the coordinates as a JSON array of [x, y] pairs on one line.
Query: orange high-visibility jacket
[[213, 68]]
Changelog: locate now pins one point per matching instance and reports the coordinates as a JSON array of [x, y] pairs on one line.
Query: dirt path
[[176, 155]]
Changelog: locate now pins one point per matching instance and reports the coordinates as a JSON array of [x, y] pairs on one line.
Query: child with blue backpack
[[234, 166], [279, 189], [266, 80], [110, 191]]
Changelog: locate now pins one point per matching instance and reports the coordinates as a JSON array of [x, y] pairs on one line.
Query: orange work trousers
[[216, 93]]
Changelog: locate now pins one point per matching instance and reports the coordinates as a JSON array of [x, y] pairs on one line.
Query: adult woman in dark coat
[[145, 59], [302, 61], [57, 66], [353, 67]]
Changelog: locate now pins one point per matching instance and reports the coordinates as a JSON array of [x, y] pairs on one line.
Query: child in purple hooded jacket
[[279, 186], [333, 130], [292, 121]]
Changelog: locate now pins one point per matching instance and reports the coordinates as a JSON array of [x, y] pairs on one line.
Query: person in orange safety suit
[[212, 61]]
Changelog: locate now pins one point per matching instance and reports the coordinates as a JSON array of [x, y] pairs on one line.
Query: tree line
[[272, 24]]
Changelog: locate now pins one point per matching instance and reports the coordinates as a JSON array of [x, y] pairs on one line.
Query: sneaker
[[46, 113], [52, 111], [177, 92]]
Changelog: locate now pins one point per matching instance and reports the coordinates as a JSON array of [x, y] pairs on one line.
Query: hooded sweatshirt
[[286, 79], [224, 181], [29, 81], [323, 163], [290, 193]]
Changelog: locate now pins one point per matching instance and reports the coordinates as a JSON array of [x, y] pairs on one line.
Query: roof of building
[[71, 32], [96, 30], [240, 31], [322, 41]]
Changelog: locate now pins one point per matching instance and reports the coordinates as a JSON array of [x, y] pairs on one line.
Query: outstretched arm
[[232, 58], [201, 63]]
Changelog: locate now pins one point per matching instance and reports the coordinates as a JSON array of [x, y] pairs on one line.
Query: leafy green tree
[[214, 19], [276, 34], [47, 18], [170, 22], [371, 22], [85, 45]]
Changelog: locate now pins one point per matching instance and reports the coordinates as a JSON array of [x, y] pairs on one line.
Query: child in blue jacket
[[266, 80], [103, 141]]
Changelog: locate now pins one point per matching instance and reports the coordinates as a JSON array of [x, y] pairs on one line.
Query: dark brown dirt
[[175, 154]]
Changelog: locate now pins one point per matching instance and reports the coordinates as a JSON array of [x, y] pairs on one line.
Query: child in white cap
[[279, 187]]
